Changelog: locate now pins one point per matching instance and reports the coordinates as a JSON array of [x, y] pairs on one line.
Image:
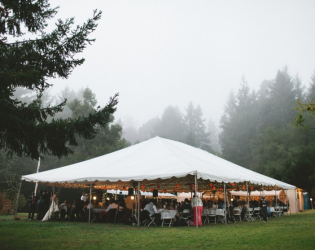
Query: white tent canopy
[[155, 161]]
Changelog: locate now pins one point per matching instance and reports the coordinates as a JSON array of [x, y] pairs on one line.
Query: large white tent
[[156, 163]]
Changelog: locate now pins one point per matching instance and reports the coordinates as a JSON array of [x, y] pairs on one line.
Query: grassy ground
[[291, 232]]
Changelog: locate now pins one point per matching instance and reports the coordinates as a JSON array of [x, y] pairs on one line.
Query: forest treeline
[[257, 131]]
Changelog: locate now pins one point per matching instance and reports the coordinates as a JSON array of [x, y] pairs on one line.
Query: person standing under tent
[[53, 208], [32, 205], [197, 206], [84, 198], [264, 209]]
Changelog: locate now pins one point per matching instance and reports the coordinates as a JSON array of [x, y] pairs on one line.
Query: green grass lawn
[[291, 232]]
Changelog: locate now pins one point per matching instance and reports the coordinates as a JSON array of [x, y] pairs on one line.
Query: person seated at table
[[256, 203], [159, 205], [186, 205], [64, 210], [220, 204], [151, 208], [112, 205], [251, 203], [170, 206]]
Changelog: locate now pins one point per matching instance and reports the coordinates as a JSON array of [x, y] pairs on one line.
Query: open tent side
[[161, 164]]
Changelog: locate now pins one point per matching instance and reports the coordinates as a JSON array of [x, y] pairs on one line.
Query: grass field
[[291, 232]]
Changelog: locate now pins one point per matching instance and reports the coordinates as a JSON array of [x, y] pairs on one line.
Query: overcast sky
[[157, 53]]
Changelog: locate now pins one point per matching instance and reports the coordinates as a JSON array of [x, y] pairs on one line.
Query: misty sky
[[157, 53]]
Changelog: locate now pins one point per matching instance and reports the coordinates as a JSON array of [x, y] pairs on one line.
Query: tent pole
[[276, 194], [224, 190], [247, 194], [138, 203], [17, 200], [196, 190], [90, 202]]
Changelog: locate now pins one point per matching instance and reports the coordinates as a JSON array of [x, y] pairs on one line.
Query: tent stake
[[17, 200]]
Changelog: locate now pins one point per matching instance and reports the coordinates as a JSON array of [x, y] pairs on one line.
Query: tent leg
[[90, 202], [138, 195], [247, 194], [224, 190], [17, 200], [196, 190], [276, 195]]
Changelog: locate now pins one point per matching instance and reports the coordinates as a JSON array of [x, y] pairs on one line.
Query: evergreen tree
[[108, 138], [25, 129], [279, 107], [239, 126], [196, 134], [171, 125], [214, 136]]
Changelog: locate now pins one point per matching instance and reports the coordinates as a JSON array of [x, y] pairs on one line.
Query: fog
[[161, 53]]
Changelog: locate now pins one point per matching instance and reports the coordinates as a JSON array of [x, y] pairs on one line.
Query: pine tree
[[27, 129], [196, 134]]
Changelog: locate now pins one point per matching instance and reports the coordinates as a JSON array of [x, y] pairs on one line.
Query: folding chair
[[278, 211], [151, 220], [185, 215], [237, 213], [166, 215], [212, 214], [249, 214], [205, 214], [144, 217], [220, 213], [257, 213]]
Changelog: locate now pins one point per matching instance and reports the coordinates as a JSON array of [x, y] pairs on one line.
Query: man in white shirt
[[83, 198], [151, 208]]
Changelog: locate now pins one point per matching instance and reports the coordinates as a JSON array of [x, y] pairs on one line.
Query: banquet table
[[172, 212]]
